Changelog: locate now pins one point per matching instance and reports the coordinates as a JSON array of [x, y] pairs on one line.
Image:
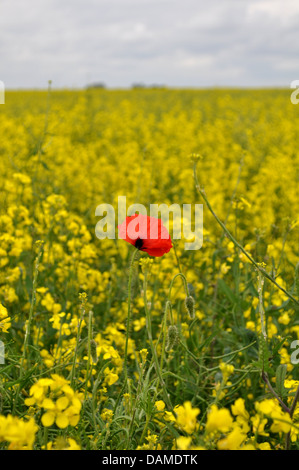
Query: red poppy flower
[[146, 233]]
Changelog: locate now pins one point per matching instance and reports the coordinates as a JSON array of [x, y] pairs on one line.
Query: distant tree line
[[134, 86]]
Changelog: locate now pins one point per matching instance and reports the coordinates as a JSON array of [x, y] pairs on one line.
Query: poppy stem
[[170, 289], [176, 256], [129, 313], [153, 349], [202, 193], [184, 281], [125, 367]]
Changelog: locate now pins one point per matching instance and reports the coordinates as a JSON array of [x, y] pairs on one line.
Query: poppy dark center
[[139, 243]]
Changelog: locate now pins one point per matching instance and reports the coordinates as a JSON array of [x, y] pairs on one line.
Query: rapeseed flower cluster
[[235, 428], [19, 433], [5, 321], [64, 300], [60, 404]]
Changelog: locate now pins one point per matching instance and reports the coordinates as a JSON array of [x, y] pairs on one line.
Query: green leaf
[[278, 346], [223, 287], [207, 341], [280, 378]]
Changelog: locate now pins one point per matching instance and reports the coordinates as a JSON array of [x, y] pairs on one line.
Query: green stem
[[267, 381], [163, 331], [185, 284], [89, 351], [261, 307], [129, 313], [28, 325], [125, 368], [292, 411], [32, 305], [153, 349], [82, 309], [45, 439]]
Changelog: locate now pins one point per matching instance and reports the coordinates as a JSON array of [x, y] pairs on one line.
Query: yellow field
[[209, 379]]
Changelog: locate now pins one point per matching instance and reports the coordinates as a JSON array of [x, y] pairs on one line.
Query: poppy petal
[[147, 233]]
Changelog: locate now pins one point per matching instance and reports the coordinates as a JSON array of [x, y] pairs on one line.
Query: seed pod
[[93, 351], [190, 306], [167, 306], [172, 337], [264, 354]]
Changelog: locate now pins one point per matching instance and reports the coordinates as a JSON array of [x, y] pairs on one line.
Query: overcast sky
[[186, 43]]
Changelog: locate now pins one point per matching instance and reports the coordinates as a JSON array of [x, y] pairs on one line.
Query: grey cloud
[[179, 43]]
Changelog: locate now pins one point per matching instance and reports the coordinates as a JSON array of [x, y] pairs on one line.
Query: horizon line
[[140, 87]]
